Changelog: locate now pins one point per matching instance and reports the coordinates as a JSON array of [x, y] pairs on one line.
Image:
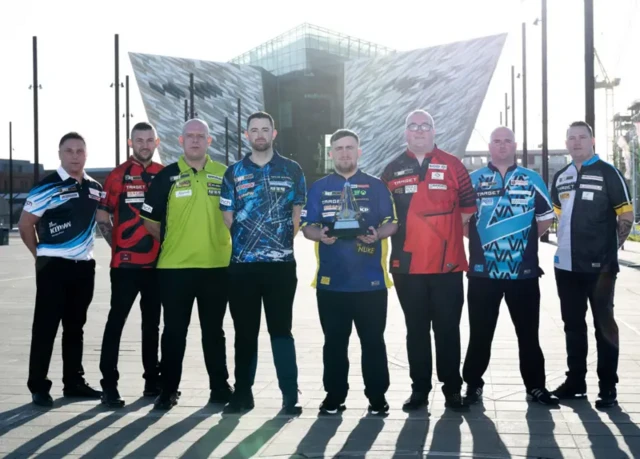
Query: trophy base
[[342, 231]]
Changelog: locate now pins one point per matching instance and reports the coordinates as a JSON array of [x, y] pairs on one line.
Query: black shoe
[[378, 406], [152, 389], [81, 390], [331, 406], [290, 405], [111, 398], [221, 396], [417, 401], [571, 391], [542, 396], [455, 402], [166, 401], [239, 402], [42, 399], [473, 395], [607, 398]]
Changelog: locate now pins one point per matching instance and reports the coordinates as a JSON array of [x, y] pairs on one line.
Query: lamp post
[[36, 156], [10, 176], [525, 159], [117, 95], [545, 145], [589, 71]]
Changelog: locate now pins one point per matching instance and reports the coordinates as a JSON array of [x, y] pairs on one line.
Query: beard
[[261, 147], [345, 168], [143, 155]]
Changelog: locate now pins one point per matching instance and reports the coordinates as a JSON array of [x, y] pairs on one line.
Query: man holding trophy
[[350, 215]]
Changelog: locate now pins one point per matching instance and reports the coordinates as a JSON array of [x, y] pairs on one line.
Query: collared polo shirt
[[503, 233], [185, 202], [67, 211], [262, 200], [349, 265], [132, 246], [588, 203], [430, 198]]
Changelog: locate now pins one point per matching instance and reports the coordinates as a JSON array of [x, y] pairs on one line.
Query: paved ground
[[504, 426]]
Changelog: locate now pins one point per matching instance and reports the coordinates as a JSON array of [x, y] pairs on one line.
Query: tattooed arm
[[625, 223], [104, 223]]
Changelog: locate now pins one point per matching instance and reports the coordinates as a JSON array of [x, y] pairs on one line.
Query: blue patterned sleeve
[[227, 195], [300, 196], [311, 212], [543, 205]]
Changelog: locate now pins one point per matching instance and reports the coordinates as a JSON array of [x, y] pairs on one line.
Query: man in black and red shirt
[[134, 252], [434, 200]]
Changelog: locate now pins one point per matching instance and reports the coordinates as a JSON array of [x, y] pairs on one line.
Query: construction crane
[[607, 84]]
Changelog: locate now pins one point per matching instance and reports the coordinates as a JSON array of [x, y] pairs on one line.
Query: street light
[[36, 87], [10, 176]]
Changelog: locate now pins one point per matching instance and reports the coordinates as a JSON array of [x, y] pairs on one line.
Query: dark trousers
[[523, 300], [178, 289], [338, 312], [432, 300], [64, 290], [574, 289], [273, 284], [125, 286]]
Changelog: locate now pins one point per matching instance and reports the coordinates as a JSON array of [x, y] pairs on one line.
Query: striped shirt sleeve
[[618, 191], [466, 193]]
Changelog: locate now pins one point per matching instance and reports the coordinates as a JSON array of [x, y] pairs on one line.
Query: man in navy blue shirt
[[514, 210], [261, 200], [351, 280]]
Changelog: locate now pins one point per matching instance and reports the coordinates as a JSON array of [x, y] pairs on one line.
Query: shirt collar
[[184, 167], [354, 176], [495, 169], [65, 176], [591, 160], [412, 155], [276, 158]]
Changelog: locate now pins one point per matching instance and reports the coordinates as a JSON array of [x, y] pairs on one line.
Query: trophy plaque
[[348, 222]]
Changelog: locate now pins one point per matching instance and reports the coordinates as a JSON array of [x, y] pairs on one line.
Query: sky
[[76, 61]]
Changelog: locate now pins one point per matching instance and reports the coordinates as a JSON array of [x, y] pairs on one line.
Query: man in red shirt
[[434, 199], [134, 252]]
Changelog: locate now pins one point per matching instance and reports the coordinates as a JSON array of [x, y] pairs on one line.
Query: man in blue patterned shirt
[[514, 210], [261, 200]]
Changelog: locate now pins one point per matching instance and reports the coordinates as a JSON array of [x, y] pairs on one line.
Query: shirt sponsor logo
[[330, 201], [173, 178], [185, 175], [396, 183], [331, 207], [366, 249], [213, 192], [303, 213], [402, 172], [55, 229], [486, 184], [595, 265], [132, 178], [125, 256], [66, 189], [488, 193], [437, 175], [375, 283], [586, 186], [401, 190], [567, 187], [94, 191], [135, 194], [516, 182], [147, 208], [520, 192], [328, 214], [225, 201], [596, 178], [134, 200], [183, 193], [65, 197], [520, 202], [281, 184], [564, 196], [566, 178], [94, 197], [213, 185], [437, 186], [183, 184], [354, 186], [135, 187], [214, 177], [331, 193], [587, 195], [486, 202], [277, 189], [103, 194], [358, 192], [364, 209], [410, 189], [243, 177], [440, 167], [324, 280], [395, 263], [478, 268], [245, 186]]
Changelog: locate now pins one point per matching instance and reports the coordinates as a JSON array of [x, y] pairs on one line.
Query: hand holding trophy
[[348, 222]]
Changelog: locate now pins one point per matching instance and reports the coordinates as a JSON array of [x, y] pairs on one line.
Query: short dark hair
[[581, 124], [342, 133], [71, 136], [142, 126], [260, 115]]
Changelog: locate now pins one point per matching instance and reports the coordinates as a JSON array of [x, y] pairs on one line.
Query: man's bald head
[[502, 146], [194, 122], [417, 116]]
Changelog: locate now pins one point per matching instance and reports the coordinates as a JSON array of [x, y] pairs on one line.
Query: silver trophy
[[348, 222]]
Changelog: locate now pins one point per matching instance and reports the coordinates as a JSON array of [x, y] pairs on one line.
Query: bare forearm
[[625, 224], [296, 219], [106, 228], [544, 226], [387, 230], [465, 219], [228, 219], [312, 232], [153, 228], [28, 236]]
